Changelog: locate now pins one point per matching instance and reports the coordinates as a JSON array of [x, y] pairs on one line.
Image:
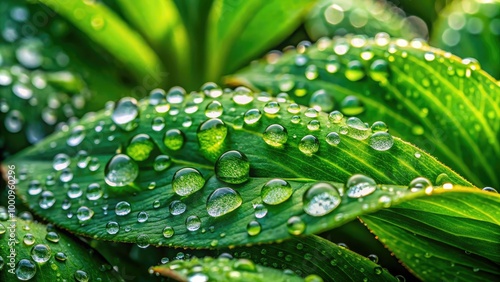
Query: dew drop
[[321, 101], [52, 237], [60, 256], [419, 183], [74, 191], [379, 70], [142, 241], [34, 187], [162, 162], [158, 124], [379, 126], [272, 108], [381, 141], [76, 137], [25, 270], [126, 114], [333, 138], [293, 108], [140, 147], [211, 135], [214, 109], [94, 192], [242, 95], [29, 239], [47, 200], [61, 161], [120, 171], [311, 72], [252, 116], [14, 121], [193, 223], [253, 228], [314, 125], [357, 128], [177, 207], [223, 201], [142, 217], [352, 106], [275, 135], [490, 189], [112, 227], [168, 232], [260, 210], [332, 64], [355, 70], [122, 208], [295, 225], [84, 213], [276, 191], [41, 253], [321, 199], [187, 181], [212, 90], [309, 145], [232, 167], [360, 185], [174, 139]]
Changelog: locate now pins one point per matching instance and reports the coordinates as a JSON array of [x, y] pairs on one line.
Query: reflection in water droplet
[[352, 106], [295, 225], [162, 162], [276, 191], [140, 147], [84, 213], [253, 228], [187, 181], [381, 141], [275, 135], [46, 200], [321, 199], [232, 167], [25, 270], [360, 185], [223, 201], [112, 227], [41, 253], [120, 171], [419, 183], [309, 145], [126, 113], [252, 116], [174, 139], [193, 223], [177, 207], [122, 208]]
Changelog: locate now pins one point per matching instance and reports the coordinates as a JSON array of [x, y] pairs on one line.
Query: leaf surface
[[447, 107], [451, 234]]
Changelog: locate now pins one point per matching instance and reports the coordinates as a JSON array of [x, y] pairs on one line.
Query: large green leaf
[[42, 253], [295, 161], [446, 106], [103, 26], [340, 17], [471, 28], [159, 21], [239, 31], [221, 269], [452, 234]]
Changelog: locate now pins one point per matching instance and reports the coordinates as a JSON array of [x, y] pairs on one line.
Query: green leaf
[[159, 21], [140, 184], [315, 255], [340, 17], [42, 253], [233, 27], [431, 98], [104, 27], [221, 269], [451, 234], [471, 29]]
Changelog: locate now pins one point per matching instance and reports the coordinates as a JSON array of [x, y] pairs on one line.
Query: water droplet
[[22, 91], [52, 237], [244, 265], [360, 185], [311, 72], [211, 135], [122, 208], [333, 138], [29, 239], [309, 145], [260, 210], [355, 70], [187, 181], [275, 135], [47, 200], [321, 199], [84, 213], [14, 121], [162, 162], [142, 241], [357, 129], [373, 258], [156, 96], [242, 95], [429, 56], [381, 141], [120, 171], [174, 139], [419, 183], [168, 232], [295, 225], [276, 191], [140, 147], [74, 191], [60, 256], [81, 276], [252, 116], [41, 253], [77, 136], [177, 207], [311, 113], [211, 89], [61, 161], [296, 119], [490, 189], [223, 201], [142, 217], [352, 106], [34, 187], [232, 167], [94, 192], [112, 227], [272, 108], [158, 123], [66, 175], [379, 70], [25, 270], [214, 109], [293, 108], [332, 64], [379, 126], [314, 125], [193, 223], [321, 101], [126, 114], [253, 228]]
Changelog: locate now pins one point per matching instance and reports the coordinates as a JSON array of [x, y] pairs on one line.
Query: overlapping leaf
[[294, 161], [448, 107], [471, 28], [452, 234], [58, 255]]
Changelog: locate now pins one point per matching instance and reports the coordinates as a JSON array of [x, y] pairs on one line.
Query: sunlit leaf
[[446, 106]]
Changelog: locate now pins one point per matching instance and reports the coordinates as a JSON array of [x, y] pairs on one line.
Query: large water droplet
[[126, 113], [174, 139], [52, 237], [140, 147], [47, 200], [309, 145], [94, 192], [187, 181], [84, 213], [193, 223], [333, 138], [177, 207], [360, 185], [357, 129], [275, 135], [211, 135], [74, 191], [381, 141], [223, 201], [276, 191], [232, 167], [272, 108], [41, 253], [214, 109], [242, 95], [25, 270], [260, 210], [120, 171], [321, 199], [81, 276], [252, 116], [168, 232], [112, 227], [122, 208], [29, 239]]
